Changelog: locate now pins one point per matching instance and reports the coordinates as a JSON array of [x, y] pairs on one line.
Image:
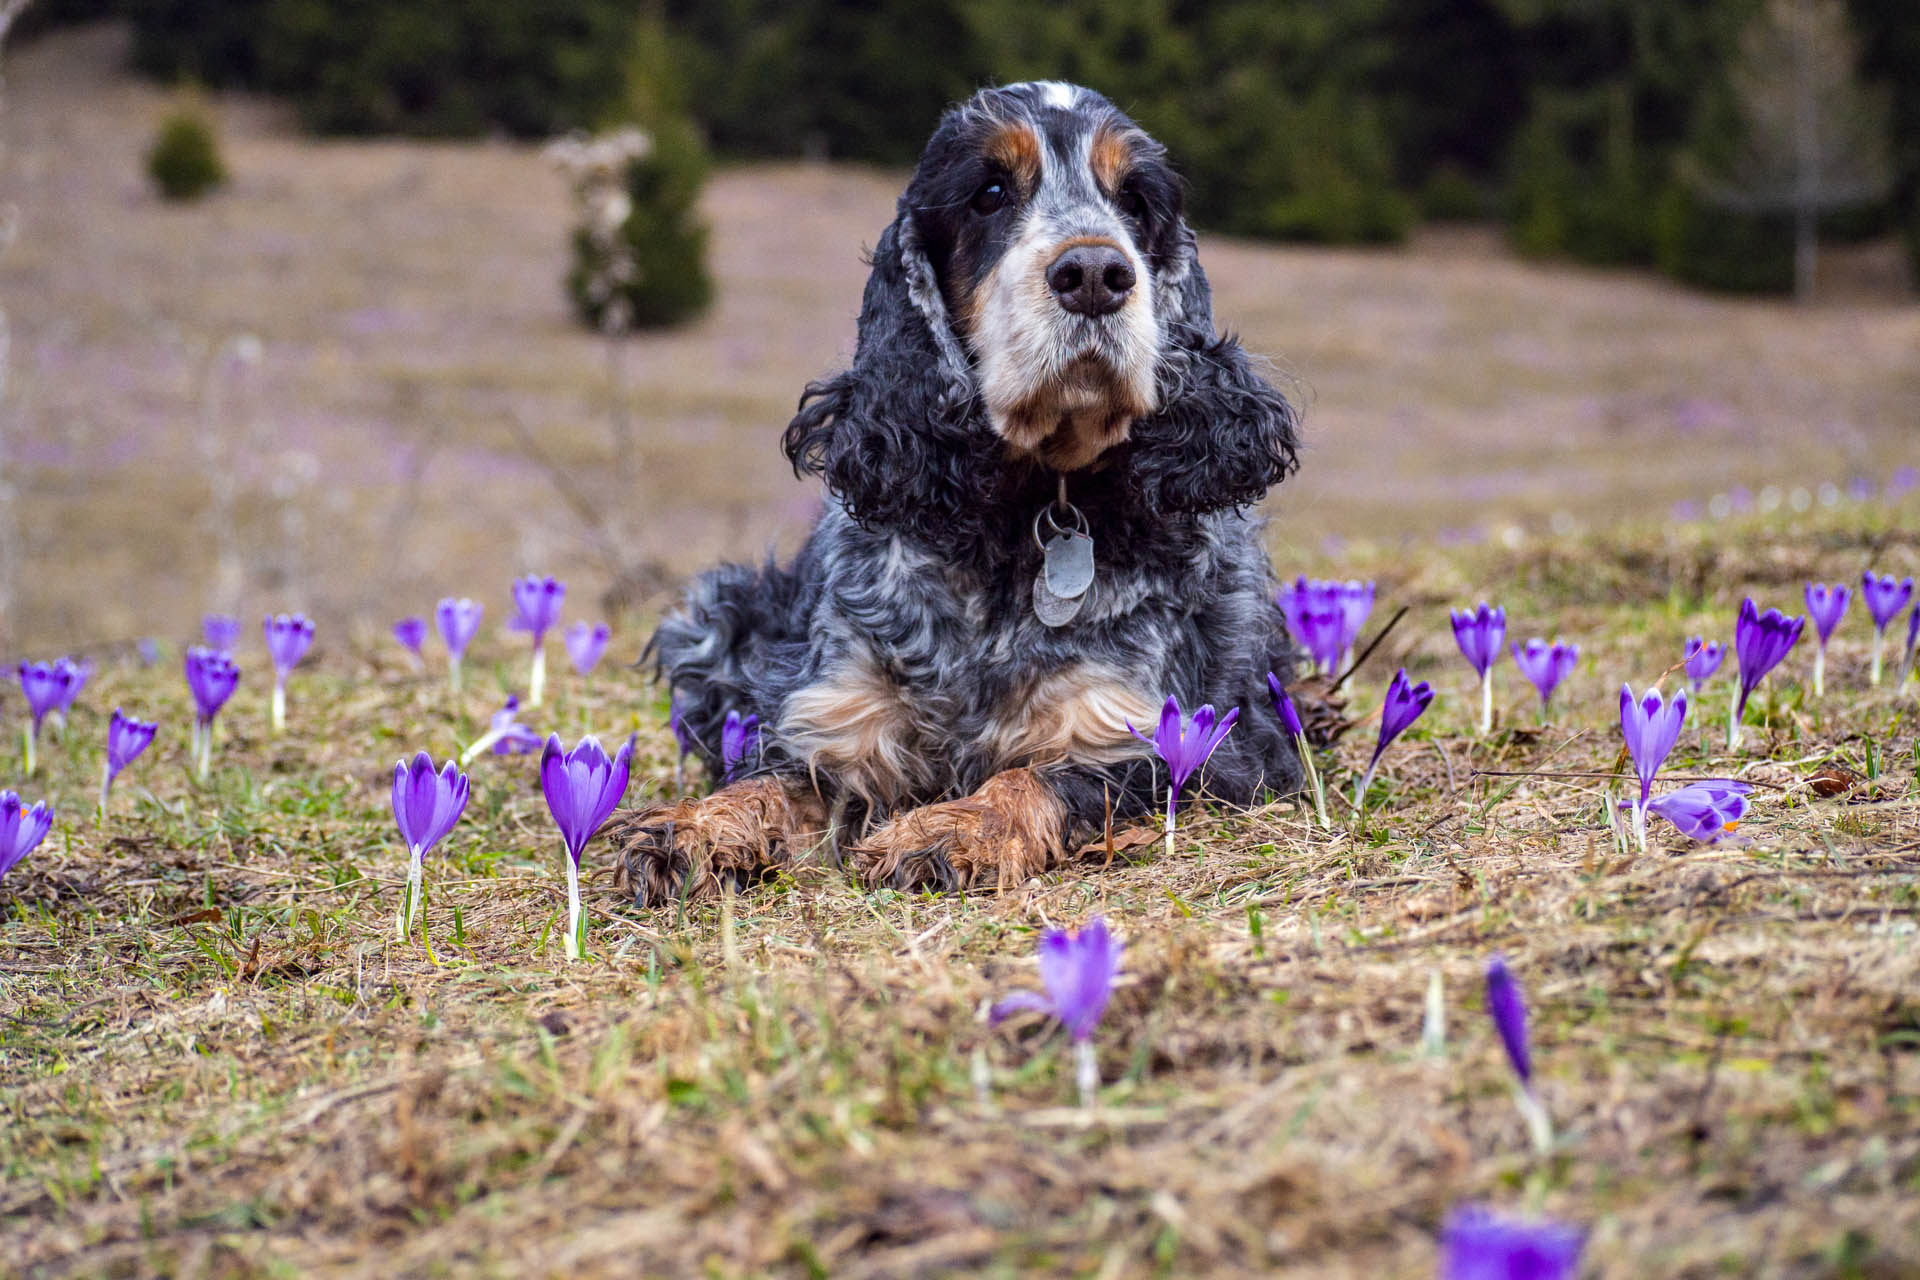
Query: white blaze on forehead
[[1056, 93]]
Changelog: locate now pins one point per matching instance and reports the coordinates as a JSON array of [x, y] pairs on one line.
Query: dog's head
[[1037, 304]]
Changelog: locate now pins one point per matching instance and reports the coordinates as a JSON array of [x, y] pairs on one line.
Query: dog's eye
[[991, 198], [1132, 203]]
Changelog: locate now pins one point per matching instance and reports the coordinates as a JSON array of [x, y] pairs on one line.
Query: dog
[[1039, 471]]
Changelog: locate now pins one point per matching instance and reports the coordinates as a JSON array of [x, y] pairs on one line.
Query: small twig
[[1616, 777], [1368, 651]]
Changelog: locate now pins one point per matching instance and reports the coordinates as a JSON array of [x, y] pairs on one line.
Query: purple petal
[[1476, 1245], [1509, 1012]]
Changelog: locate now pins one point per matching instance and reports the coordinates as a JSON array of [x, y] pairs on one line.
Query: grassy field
[[407, 302], [215, 1059]]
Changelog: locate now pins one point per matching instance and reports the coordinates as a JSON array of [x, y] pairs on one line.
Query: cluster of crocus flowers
[[536, 605], [411, 634], [1650, 725], [289, 635], [586, 645], [1290, 721], [1184, 746], [1480, 632], [739, 738], [1545, 666], [1885, 596], [1760, 642], [426, 804], [582, 787], [458, 621], [1325, 616], [45, 686], [1826, 605], [212, 677], [1701, 659], [126, 739], [21, 829], [1405, 703], [1077, 971]]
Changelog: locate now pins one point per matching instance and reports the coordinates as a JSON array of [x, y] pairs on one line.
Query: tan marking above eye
[[1110, 155], [1015, 147]]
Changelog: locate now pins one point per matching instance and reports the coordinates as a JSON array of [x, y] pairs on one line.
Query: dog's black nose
[[1091, 279]]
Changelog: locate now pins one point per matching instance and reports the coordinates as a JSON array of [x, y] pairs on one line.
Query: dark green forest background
[[1572, 121]]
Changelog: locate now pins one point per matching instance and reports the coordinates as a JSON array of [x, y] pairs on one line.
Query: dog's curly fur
[[900, 676]]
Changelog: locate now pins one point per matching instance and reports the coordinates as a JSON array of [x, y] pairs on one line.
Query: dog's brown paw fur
[[1010, 829], [695, 845]]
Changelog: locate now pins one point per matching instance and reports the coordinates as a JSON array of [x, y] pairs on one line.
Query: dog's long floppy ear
[[890, 434], [1224, 435]]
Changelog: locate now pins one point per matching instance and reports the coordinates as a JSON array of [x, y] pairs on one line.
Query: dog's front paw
[[735, 836], [1012, 828]]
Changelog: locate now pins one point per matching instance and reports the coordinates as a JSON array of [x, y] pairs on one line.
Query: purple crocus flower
[[78, 672], [582, 787], [221, 631], [21, 829], [1077, 969], [1760, 641], [126, 739], [1546, 665], [1477, 1245], [1913, 640], [1704, 811], [1703, 658], [1650, 726], [1406, 702], [536, 606], [411, 632], [1508, 1009], [211, 678], [1480, 632], [586, 644], [1826, 605], [1290, 721], [288, 637], [1885, 597], [505, 734], [1326, 616], [739, 738], [459, 621], [1184, 745], [45, 685], [426, 804]]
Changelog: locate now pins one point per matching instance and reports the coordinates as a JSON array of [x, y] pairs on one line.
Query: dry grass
[[408, 299], [214, 1059]]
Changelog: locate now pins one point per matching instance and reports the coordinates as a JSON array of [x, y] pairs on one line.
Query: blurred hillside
[[355, 365], [1608, 131]]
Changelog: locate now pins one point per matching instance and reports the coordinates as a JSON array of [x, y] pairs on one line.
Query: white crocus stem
[[482, 743], [106, 785], [1819, 671], [1733, 719], [416, 875], [279, 716], [28, 736], [1640, 824], [1172, 793], [453, 672], [1879, 636], [1086, 1071], [1539, 1124], [1366, 780], [573, 909], [1313, 778], [1486, 701], [537, 678], [1433, 1029]]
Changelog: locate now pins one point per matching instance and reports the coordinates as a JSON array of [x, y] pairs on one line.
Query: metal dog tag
[[1053, 610], [1068, 564]]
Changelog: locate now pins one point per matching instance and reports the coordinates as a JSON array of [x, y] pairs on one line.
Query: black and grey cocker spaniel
[[1039, 473]]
